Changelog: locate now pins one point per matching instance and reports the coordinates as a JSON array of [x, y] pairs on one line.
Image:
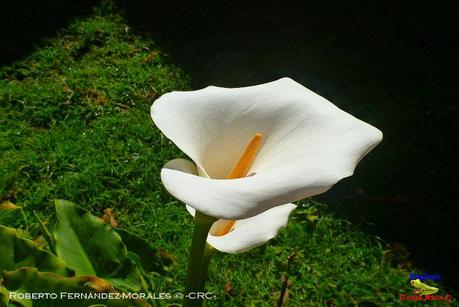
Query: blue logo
[[424, 276]]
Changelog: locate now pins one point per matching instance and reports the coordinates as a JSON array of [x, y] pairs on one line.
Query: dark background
[[23, 23], [390, 63]]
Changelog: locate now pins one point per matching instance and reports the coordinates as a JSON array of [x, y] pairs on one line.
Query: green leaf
[[91, 247], [30, 280], [4, 296], [18, 252], [147, 255], [127, 276]]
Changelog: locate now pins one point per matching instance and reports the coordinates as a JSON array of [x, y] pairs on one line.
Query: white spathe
[[309, 144], [251, 232], [246, 233]]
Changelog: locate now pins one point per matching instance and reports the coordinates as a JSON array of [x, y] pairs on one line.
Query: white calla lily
[[308, 145]]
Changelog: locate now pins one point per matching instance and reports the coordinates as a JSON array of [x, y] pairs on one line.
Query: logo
[[421, 288], [424, 276], [423, 291]]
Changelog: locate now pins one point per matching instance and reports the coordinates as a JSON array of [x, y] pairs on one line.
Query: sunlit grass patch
[[75, 116]]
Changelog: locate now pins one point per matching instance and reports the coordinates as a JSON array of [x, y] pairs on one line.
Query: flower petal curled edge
[[246, 233]]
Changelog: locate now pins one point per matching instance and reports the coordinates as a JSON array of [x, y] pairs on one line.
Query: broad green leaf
[[18, 252], [146, 253], [30, 280], [127, 276], [91, 247]]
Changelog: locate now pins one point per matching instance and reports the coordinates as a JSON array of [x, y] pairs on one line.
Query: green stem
[[209, 251], [196, 269]]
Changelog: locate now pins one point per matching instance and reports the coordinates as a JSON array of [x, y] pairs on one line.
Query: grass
[[76, 125]]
